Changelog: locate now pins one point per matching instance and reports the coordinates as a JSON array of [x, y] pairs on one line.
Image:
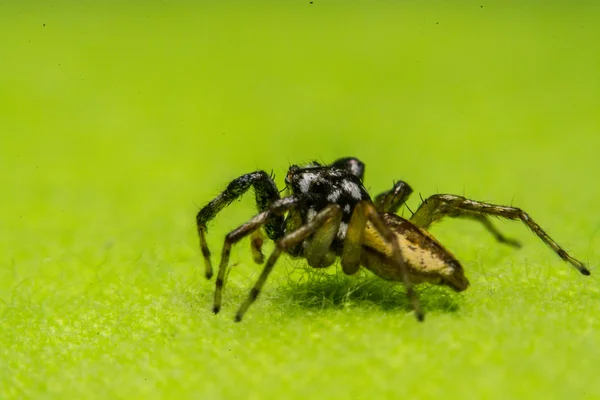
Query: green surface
[[118, 121]]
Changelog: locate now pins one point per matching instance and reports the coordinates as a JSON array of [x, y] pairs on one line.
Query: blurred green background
[[119, 120]]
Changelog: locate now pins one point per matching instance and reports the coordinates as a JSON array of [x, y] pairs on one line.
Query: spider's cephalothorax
[[329, 214], [320, 187]]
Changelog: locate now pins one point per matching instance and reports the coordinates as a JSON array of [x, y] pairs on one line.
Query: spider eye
[[291, 172]]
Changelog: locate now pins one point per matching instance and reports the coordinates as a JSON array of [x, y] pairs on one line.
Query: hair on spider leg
[[329, 215]]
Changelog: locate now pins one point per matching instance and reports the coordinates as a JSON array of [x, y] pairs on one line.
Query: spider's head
[[325, 185], [300, 180]]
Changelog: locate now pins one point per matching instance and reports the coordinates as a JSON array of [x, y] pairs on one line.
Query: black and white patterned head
[[324, 185]]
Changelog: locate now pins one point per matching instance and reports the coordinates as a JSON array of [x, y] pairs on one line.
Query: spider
[[329, 214]]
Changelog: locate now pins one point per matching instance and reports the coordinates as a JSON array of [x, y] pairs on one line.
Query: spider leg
[[286, 242], [391, 200], [363, 213], [277, 208], [265, 192], [487, 224], [352, 165], [318, 253], [388, 235], [440, 205], [354, 239]]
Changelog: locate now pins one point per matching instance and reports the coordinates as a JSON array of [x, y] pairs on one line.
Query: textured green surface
[[117, 122]]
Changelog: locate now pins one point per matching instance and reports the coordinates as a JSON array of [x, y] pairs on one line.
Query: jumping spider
[[329, 214]]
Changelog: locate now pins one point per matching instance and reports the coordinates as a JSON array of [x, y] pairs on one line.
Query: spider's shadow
[[316, 289]]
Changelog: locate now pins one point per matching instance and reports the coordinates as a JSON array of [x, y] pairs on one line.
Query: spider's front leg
[[277, 209], [440, 205], [329, 216], [266, 193]]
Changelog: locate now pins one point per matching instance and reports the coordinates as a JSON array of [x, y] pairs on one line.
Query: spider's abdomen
[[427, 259]]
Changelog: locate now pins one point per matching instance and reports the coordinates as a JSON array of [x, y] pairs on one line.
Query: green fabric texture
[[119, 120]]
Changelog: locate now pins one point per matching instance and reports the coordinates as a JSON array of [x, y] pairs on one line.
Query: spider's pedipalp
[[318, 248], [256, 243]]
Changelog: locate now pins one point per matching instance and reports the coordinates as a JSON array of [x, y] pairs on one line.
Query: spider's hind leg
[[438, 206], [266, 192], [489, 226], [390, 201], [365, 217]]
